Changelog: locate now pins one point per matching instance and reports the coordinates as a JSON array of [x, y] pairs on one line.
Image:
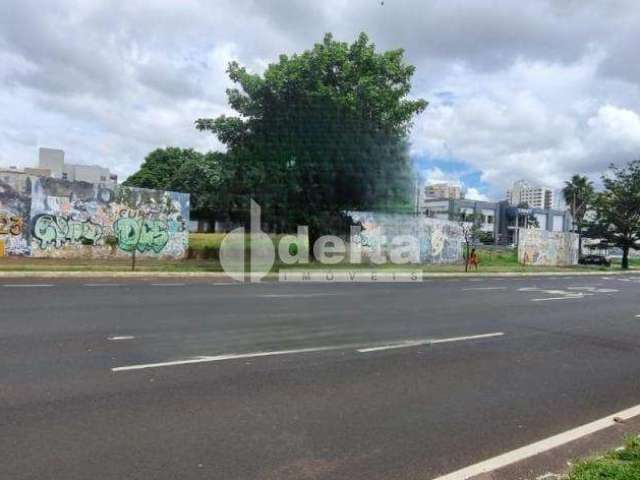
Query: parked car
[[594, 260]]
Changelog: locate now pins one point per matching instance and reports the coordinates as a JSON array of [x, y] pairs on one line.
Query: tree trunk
[[579, 242], [625, 258]]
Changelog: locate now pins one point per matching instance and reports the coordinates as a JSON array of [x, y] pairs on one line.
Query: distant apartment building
[[51, 163], [534, 196], [443, 190]]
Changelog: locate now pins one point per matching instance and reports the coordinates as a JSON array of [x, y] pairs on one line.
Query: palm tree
[[578, 195]]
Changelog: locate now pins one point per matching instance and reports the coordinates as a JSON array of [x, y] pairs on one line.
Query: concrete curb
[[527, 274], [79, 274], [223, 275]]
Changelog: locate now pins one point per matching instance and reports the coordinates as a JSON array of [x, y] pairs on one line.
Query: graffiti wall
[[15, 205], [436, 241], [544, 248], [47, 217]]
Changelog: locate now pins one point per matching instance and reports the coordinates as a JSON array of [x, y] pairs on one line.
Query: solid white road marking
[[102, 284], [415, 343], [540, 447], [17, 285], [168, 284], [235, 356], [484, 288], [121, 337]]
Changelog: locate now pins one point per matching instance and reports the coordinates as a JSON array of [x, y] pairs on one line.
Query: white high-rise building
[[533, 195]]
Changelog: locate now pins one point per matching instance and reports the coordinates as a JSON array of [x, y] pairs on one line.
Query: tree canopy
[[321, 132], [160, 167], [617, 209], [578, 194]]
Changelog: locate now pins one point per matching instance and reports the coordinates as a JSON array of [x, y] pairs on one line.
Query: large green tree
[[617, 208], [203, 177], [160, 167], [321, 132], [578, 194]]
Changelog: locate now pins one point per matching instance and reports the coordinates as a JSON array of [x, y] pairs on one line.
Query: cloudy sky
[[537, 89]]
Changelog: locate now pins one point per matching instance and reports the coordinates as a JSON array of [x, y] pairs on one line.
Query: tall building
[[52, 160], [443, 190], [533, 195]]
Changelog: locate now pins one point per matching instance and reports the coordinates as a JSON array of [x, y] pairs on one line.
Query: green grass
[[633, 262], [200, 241], [28, 264], [498, 258], [491, 260], [617, 465], [207, 245], [204, 251]]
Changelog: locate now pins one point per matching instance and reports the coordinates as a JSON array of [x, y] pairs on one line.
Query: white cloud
[[474, 194], [616, 126], [437, 175], [543, 122], [539, 90]]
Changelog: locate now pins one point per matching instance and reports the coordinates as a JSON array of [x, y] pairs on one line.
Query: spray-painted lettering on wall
[[47, 217], [142, 235], [52, 230], [10, 224]]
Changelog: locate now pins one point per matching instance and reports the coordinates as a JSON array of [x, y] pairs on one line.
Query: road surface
[[163, 379]]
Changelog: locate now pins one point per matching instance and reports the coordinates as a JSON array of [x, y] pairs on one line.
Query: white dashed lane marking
[[418, 343], [28, 285], [236, 356], [574, 297], [484, 288], [298, 295]]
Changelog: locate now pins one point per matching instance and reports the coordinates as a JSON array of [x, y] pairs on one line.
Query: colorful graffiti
[[437, 241], [10, 224], [47, 217], [142, 235], [51, 230], [545, 248], [15, 204]]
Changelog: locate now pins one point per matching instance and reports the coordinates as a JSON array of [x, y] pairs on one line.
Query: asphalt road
[[154, 379]]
